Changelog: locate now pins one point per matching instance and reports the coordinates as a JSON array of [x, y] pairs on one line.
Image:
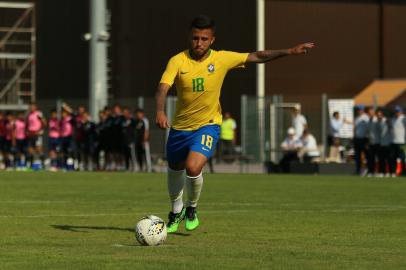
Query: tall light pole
[[98, 38], [261, 77]]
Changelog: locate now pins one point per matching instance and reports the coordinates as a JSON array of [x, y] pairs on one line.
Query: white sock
[[194, 185], [176, 182]]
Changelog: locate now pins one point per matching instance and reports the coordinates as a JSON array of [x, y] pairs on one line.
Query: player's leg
[[176, 151], [194, 184], [204, 144]]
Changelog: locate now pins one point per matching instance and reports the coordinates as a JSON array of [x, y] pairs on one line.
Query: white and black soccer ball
[[150, 231]]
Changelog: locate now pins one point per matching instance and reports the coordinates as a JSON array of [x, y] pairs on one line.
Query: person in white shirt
[[309, 150], [336, 124], [398, 132], [290, 148], [361, 123], [299, 122]]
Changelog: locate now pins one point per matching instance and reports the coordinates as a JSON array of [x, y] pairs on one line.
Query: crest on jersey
[[210, 68]]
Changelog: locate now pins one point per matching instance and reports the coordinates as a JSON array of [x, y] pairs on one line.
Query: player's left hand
[[302, 48]]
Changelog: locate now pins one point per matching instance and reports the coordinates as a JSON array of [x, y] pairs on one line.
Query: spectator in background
[[54, 133], [9, 140], [336, 124], [309, 151], [361, 123], [141, 137], [102, 140], [66, 135], [21, 140], [398, 129], [35, 129], [384, 130], [227, 138], [88, 143], [146, 140], [117, 155], [373, 142], [290, 148], [78, 133], [334, 140], [2, 133], [128, 126], [299, 122]]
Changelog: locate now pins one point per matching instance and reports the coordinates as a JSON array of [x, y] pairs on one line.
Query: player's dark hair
[[139, 110], [203, 22]]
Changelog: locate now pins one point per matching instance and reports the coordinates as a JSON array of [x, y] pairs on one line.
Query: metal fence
[[264, 122]]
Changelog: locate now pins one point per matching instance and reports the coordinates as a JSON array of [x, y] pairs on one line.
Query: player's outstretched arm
[[269, 55], [160, 97]]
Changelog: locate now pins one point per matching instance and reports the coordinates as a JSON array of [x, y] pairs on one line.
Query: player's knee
[[193, 170]]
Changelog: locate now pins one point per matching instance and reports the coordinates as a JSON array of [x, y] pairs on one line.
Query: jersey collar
[[189, 52]]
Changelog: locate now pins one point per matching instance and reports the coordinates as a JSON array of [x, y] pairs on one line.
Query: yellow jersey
[[198, 86]]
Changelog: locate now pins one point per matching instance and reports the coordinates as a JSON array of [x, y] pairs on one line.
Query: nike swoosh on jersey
[[184, 72]]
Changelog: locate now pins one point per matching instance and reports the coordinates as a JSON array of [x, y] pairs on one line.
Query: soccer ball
[[150, 231]]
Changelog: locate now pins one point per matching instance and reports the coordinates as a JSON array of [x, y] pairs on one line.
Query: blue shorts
[[181, 142]]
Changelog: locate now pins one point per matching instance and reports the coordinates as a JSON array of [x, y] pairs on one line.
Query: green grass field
[[85, 221]]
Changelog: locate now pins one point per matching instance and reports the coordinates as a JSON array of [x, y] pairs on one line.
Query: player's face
[[126, 114], [33, 108], [81, 110], [201, 40]]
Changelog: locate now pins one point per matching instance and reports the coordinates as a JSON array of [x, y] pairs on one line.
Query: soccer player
[[198, 74]]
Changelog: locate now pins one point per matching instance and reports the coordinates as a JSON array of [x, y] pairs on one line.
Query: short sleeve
[[234, 124], [234, 59], [146, 123], [171, 71], [304, 121]]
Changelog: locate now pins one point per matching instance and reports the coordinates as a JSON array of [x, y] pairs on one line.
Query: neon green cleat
[[192, 222], [175, 220]]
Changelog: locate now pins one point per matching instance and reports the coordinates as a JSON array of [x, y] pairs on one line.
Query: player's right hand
[[161, 120]]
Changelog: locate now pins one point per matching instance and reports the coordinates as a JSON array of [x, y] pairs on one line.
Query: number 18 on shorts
[[181, 142]]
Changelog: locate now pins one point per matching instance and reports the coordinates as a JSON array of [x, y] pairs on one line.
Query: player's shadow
[[181, 234], [85, 229]]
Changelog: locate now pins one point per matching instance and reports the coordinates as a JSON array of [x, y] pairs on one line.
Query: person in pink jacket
[[54, 130], [20, 139]]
